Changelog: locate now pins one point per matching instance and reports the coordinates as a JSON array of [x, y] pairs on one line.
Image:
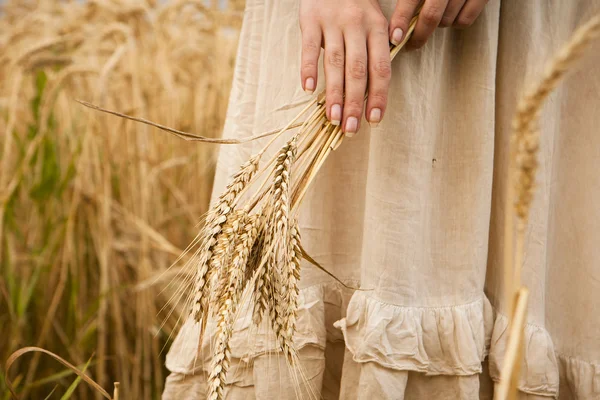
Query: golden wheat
[[229, 300], [273, 263], [216, 219], [273, 260]]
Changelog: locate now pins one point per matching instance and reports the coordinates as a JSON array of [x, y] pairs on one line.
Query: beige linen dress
[[414, 211]]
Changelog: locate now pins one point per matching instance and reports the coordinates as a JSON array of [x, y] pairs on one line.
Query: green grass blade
[[75, 383], [56, 377]]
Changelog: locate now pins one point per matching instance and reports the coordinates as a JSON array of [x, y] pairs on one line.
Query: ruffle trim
[[248, 341], [539, 371], [434, 341], [455, 341], [451, 340], [581, 378]]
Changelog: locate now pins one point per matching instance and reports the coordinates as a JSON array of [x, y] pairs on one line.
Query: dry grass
[[94, 208]]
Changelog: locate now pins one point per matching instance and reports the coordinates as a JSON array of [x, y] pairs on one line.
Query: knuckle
[[380, 22], [382, 69], [446, 21], [465, 20], [358, 69], [307, 20], [308, 67], [354, 15], [310, 46], [400, 20], [335, 58], [334, 93], [432, 15], [353, 106], [378, 98], [302, 23]]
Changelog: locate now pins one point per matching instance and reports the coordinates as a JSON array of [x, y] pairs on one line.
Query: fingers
[[452, 10], [469, 13], [405, 10], [429, 19], [379, 75], [311, 50], [356, 79], [356, 43], [333, 63], [434, 13]]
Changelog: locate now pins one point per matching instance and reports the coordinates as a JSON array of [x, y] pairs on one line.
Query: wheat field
[[93, 208]]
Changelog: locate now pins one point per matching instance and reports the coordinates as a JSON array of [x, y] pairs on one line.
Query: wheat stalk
[[524, 147]]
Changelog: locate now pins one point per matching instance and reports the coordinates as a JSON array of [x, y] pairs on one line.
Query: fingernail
[[375, 117], [351, 126], [397, 36], [309, 85], [336, 114]]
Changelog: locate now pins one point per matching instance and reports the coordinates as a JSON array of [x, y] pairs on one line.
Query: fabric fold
[[580, 379], [451, 341], [455, 340], [256, 364], [247, 340], [539, 371], [433, 341]]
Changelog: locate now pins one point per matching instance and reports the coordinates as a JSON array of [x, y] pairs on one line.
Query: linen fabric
[[412, 211]]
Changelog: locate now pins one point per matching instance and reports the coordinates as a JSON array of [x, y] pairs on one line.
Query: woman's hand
[[457, 13], [354, 34]]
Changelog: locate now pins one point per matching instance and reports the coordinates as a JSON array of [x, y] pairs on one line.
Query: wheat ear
[[223, 253], [276, 212], [278, 310], [229, 302], [216, 219], [291, 279]]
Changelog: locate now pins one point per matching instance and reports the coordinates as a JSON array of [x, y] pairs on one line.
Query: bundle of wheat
[[251, 240]]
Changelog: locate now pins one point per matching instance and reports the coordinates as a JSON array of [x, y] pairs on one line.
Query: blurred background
[[94, 208]]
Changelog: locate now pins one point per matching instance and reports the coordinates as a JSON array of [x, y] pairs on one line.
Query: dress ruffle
[[448, 341], [580, 379], [539, 371], [247, 340], [452, 340], [434, 341]]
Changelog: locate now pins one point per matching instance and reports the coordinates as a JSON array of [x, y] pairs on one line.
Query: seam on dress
[[464, 305], [573, 358]]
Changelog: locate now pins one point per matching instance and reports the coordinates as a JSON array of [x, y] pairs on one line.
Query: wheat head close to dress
[[251, 242]]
